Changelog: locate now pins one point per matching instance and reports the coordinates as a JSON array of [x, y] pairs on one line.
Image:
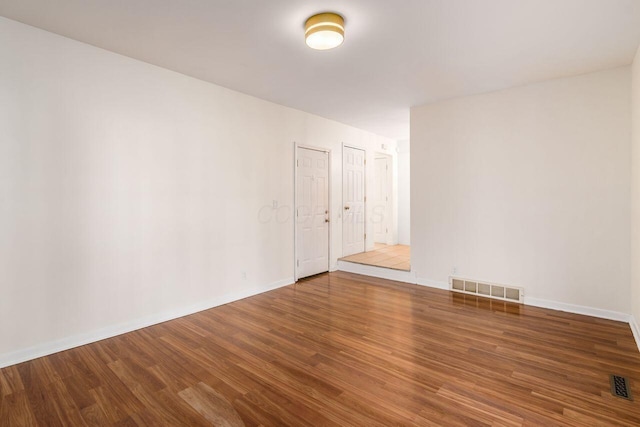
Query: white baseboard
[[589, 311], [380, 272], [577, 309], [635, 330], [536, 302], [67, 343], [433, 284], [561, 306]]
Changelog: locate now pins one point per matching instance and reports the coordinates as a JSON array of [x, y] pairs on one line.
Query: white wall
[[404, 193], [635, 193], [530, 187], [130, 194]]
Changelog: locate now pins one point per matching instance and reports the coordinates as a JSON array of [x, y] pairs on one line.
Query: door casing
[[296, 147], [364, 190]]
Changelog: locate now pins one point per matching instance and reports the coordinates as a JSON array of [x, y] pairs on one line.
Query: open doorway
[[388, 222]]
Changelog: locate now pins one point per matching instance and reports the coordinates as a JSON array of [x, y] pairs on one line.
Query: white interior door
[[353, 198], [381, 213], [312, 212]]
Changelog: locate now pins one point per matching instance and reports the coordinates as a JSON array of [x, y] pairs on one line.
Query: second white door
[[353, 197]]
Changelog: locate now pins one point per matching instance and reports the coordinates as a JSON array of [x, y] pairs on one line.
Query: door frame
[[294, 215], [364, 180]]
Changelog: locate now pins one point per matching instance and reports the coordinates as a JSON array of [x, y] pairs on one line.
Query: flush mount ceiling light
[[324, 31]]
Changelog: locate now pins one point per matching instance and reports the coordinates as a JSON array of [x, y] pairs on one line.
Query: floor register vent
[[486, 289], [620, 387]]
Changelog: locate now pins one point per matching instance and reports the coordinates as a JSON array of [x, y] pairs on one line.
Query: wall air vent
[[487, 289]]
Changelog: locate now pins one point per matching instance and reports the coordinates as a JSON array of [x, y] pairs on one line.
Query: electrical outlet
[[244, 275], [454, 270]]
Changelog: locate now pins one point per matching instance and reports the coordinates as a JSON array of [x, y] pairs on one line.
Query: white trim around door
[[354, 200], [312, 210]]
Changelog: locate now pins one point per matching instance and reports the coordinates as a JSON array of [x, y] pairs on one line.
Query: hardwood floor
[[395, 257], [339, 349]]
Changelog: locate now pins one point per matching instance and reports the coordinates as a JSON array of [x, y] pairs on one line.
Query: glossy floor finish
[[396, 257], [339, 349]]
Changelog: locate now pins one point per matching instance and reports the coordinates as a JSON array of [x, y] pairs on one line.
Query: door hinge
[[386, 167], [365, 236], [365, 199], [298, 263], [297, 163]]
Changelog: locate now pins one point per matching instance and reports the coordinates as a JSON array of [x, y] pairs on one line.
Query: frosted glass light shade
[[324, 31]]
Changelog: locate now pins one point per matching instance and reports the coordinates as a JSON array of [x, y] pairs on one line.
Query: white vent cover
[[486, 289]]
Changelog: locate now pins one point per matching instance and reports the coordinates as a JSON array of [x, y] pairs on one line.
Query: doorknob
[[346, 208], [326, 220]]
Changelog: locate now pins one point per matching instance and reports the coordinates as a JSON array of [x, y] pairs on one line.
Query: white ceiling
[[396, 54]]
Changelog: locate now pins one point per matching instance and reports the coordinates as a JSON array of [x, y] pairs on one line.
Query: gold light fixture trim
[[324, 31]]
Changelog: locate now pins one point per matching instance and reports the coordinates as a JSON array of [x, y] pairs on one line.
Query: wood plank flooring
[[343, 350], [395, 257]]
